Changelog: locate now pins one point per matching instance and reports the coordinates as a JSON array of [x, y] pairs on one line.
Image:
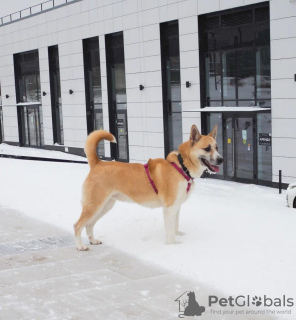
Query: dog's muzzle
[[212, 167]]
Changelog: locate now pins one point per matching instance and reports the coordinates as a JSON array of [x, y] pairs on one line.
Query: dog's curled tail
[[92, 141]]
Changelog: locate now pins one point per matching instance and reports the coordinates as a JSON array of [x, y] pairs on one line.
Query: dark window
[[237, 19], [235, 57], [56, 97], [27, 83], [93, 88], [27, 78], [30, 125], [117, 95], [171, 84]]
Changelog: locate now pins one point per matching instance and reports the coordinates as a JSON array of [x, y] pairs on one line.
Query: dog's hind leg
[[90, 225], [86, 214], [91, 207], [169, 215]]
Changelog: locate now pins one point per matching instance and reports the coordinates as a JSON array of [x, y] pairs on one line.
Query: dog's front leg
[[169, 215], [177, 231]]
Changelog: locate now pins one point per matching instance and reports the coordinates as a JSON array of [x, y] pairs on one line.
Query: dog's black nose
[[220, 160]]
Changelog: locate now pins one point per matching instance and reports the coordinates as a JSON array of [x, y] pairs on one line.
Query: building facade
[[148, 70]]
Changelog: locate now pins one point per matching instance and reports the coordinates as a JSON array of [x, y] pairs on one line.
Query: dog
[[165, 183], [193, 308]]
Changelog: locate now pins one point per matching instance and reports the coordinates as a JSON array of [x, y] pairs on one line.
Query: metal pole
[[280, 181]]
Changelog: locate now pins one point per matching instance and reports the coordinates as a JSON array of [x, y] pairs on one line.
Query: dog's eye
[[217, 148], [208, 149]]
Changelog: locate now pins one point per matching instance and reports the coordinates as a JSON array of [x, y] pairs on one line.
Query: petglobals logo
[[248, 301], [234, 305], [250, 305], [188, 306]]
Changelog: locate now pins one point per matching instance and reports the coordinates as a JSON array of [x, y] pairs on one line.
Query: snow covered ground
[[33, 152], [239, 238]]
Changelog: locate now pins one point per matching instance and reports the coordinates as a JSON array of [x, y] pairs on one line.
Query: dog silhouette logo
[[188, 305]]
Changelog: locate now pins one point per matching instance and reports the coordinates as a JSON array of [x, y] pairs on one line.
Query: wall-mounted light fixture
[[71, 91], [188, 84], [44, 93], [141, 87], [7, 96]]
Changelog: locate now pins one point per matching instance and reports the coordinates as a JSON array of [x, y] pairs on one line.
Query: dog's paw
[[180, 233], [95, 241], [171, 241], [82, 248]]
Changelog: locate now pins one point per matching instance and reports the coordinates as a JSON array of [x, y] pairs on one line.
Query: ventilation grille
[[239, 18], [262, 14]]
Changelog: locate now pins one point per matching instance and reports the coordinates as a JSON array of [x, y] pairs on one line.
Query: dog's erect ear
[[194, 134], [213, 134]]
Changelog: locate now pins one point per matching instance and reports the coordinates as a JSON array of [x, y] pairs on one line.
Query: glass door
[[117, 96], [30, 126], [171, 89], [33, 127], [56, 97], [244, 148], [229, 136], [239, 141]]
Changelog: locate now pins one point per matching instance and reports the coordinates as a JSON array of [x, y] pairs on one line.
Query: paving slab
[[43, 277]]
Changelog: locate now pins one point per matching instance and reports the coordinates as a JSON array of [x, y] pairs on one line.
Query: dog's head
[[204, 149]]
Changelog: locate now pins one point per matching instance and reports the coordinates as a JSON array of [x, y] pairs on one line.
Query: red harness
[[177, 168]]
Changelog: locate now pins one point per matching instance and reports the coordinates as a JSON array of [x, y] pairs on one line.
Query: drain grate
[[11, 248]]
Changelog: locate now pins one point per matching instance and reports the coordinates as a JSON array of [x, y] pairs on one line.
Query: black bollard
[[280, 181]]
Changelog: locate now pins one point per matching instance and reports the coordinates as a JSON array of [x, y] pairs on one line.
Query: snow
[[39, 153], [240, 239]]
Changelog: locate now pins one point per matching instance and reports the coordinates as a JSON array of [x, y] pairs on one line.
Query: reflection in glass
[[175, 125], [98, 124], [229, 148], [213, 119], [175, 79], [117, 94], [244, 147], [32, 127], [93, 88], [264, 151], [213, 76], [120, 86], [56, 96], [170, 65], [231, 103], [229, 76], [122, 132], [27, 76], [263, 73], [245, 74]]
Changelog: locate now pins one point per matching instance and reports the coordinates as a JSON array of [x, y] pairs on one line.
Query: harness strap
[[149, 177], [187, 177]]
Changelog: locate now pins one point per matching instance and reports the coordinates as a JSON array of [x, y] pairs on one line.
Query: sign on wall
[[264, 139]]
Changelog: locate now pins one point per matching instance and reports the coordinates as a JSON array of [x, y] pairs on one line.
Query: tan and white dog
[[163, 183]]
